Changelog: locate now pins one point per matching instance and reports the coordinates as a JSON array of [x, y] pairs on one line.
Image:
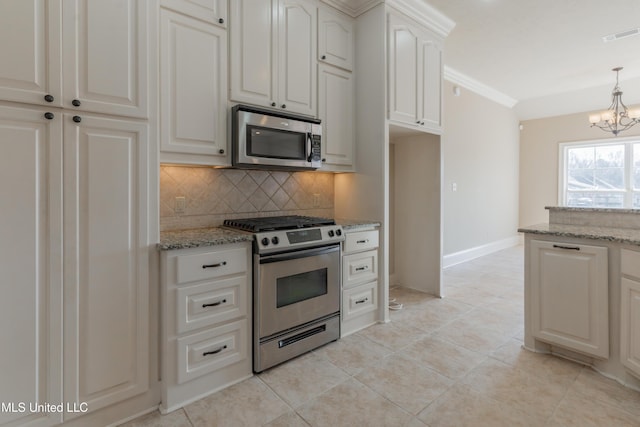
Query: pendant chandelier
[[617, 117]]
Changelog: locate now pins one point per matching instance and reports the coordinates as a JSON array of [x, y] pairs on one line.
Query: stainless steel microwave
[[266, 139]]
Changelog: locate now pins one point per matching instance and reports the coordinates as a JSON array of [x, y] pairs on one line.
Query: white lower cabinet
[[359, 280], [206, 318], [569, 296], [630, 311]]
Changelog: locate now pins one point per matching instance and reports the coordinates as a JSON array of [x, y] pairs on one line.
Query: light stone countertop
[[620, 235], [202, 237]]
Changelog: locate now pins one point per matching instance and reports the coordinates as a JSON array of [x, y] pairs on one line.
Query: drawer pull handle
[[214, 304], [363, 241], [220, 264], [209, 353], [363, 300], [366, 267], [572, 248]]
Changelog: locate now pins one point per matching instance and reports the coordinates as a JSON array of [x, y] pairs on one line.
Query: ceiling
[[548, 55]]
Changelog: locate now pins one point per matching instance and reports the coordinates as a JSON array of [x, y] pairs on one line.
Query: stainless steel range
[[296, 285]]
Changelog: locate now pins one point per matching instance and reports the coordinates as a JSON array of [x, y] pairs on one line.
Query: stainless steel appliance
[[265, 139], [296, 285]]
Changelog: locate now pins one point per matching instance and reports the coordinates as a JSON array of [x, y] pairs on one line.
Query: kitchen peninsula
[[582, 289]]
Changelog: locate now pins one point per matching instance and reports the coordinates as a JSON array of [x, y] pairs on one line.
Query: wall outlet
[[316, 200], [181, 205], [454, 187]]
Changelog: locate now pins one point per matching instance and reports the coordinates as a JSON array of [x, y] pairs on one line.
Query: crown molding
[[473, 85], [353, 8], [425, 14]]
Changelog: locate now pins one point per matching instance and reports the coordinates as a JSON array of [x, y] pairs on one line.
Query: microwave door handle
[[309, 154]]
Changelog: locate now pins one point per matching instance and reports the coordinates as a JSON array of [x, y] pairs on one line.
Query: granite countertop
[[610, 234], [199, 237]]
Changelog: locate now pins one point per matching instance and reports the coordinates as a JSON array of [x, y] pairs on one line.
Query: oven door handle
[[299, 254]]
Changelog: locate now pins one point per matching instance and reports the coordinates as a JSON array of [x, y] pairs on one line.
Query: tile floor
[[455, 361]]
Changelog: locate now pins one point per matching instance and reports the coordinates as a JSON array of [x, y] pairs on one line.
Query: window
[[601, 174]]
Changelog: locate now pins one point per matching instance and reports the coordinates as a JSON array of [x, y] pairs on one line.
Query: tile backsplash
[[213, 195]]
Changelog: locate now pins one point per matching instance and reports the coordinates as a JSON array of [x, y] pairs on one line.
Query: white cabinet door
[[297, 32], [193, 89], [431, 75], [30, 68], [336, 37], [253, 56], [404, 84], [31, 267], [337, 110], [630, 325], [106, 260], [212, 11], [273, 54], [569, 296], [105, 64]]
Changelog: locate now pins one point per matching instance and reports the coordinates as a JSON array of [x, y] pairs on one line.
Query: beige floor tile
[[155, 419], [544, 366], [409, 297], [301, 379], [353, 353], [474, 336], [290, 419], [405, 383], [392, 335], [352, 404], [462, 406], [444, 357], [580, 411], [598, 387], [249, 403], [516, 389]]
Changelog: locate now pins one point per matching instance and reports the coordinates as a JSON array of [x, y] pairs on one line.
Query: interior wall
[[481, 157], [416, 247], [539, 149]]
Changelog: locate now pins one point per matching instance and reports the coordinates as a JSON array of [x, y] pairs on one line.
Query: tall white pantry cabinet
[[77, 184]]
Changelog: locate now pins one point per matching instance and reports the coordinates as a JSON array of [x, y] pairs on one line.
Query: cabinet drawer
[[211, 302], [630, 262], [359, 268], [359, 300], [210, 265], [211, 350], [360, 241]]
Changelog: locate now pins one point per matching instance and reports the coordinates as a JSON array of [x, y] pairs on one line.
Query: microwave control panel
[[316, 150]]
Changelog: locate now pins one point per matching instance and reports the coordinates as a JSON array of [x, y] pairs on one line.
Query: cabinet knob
[[323, 57], [418, 122], [422, 123], [49, 116], [221, 151], [48, 98], [75, 102], [221, 21], [324, 160], [77, 119], [273, 104], [284, 105]]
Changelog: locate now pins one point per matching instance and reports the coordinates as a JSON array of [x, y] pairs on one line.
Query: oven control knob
[[265, 241], [338, 232], [331, 233], [275, 240]]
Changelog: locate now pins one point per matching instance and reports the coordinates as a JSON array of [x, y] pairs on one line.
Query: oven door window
[[300, 287], [275, 143]]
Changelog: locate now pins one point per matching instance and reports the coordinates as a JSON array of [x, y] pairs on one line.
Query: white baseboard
[[478, 251]]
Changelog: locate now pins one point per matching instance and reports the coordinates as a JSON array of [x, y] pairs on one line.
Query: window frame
[[628, 166]]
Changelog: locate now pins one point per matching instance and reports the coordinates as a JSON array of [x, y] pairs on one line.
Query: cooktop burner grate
[[271, 223]]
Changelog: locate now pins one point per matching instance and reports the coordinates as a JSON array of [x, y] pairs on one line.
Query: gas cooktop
[[272, 223]]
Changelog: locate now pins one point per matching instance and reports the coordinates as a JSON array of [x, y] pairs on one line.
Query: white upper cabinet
[[105, 64], [100, 47], [273, 54], [336, 94], [335, 39], [415, 74], [212, 11], [31, 51], [193, 90]]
